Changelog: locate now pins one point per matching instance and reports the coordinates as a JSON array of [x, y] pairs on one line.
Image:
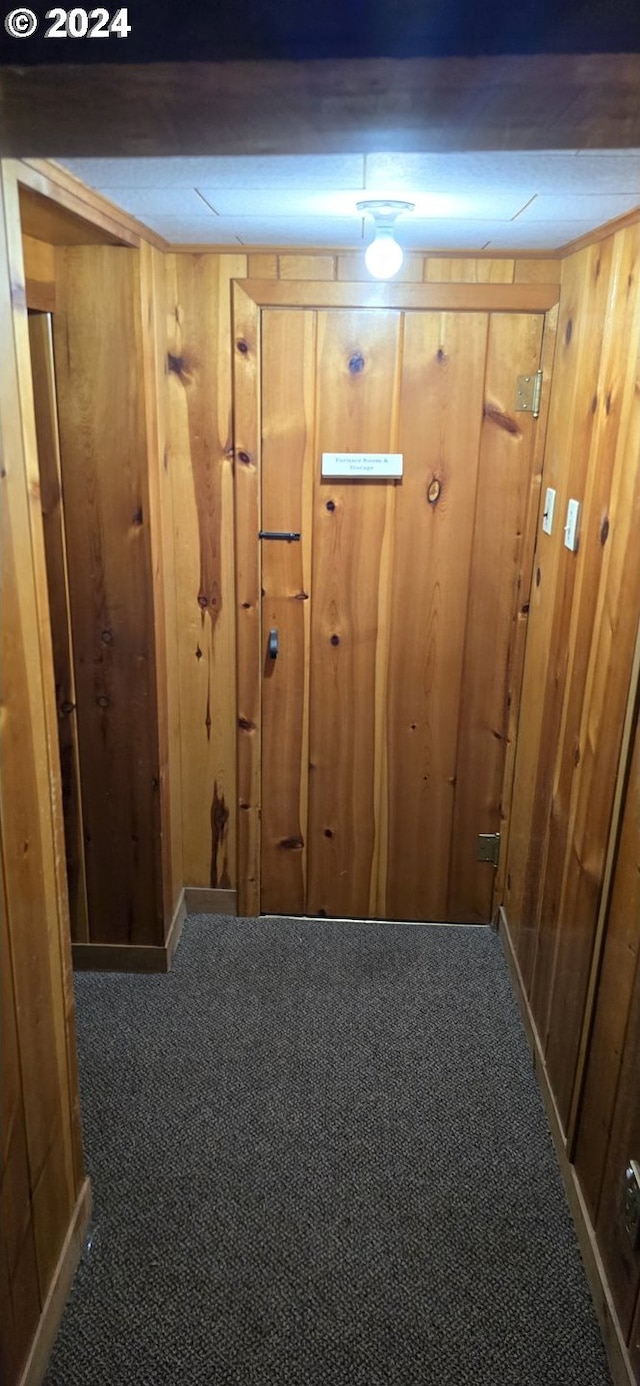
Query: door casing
[[249, 297]]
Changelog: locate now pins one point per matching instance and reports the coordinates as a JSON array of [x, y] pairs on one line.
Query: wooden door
[[385, 715]]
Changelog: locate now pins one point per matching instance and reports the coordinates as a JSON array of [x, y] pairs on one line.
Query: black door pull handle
[[273, 644]]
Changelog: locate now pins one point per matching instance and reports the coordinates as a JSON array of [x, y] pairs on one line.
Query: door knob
[[273, 644]]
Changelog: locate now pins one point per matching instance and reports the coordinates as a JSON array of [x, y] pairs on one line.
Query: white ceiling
[[467, 201]]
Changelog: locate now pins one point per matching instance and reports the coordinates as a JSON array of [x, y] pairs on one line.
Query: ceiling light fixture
[[383, 256]]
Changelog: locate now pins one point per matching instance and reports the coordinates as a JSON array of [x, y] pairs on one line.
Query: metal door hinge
[[489, 847], [528, 393]]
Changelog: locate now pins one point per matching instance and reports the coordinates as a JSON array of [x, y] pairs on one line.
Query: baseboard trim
[[131, 957], [53, 1308], [620, 1364], [205, 900]]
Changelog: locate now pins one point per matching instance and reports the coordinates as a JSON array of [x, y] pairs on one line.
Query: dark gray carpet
[[319, 1158]]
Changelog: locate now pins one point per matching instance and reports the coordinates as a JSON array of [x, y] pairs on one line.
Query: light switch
[[571, 528], [549, 507]]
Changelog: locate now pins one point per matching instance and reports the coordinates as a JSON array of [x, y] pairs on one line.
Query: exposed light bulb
[[383, 256]]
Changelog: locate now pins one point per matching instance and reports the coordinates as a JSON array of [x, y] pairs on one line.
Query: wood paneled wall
[[44, 1197], [105, 478], [199, 461], [583, 624]]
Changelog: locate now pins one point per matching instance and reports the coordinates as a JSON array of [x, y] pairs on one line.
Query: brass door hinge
[[489, 847], [528, 393]]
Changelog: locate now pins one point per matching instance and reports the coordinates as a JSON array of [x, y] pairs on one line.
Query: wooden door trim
[[248, 299], [472, 298]]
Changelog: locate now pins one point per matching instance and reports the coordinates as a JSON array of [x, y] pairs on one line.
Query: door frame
[[249, 297]]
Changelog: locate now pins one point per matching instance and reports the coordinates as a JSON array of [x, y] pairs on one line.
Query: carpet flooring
[[319, 1158]]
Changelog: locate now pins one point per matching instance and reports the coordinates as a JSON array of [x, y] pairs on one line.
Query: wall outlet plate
[[549, 507], [571, 535]]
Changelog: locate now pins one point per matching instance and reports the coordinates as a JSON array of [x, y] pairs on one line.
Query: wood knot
[[604, 530], [498, 416], [356, 363], [66, 708], [433, 491], [568, 332], [292, 844], [244, 457], [106, 637], [103, 701], [242, 346], [538, 577], [246, 724], [607, 403], [594, 404], [328, 832], [203, 601], [331, 505], [198, 652], [301, 597], [335, 640], [136, 518], [441, 356]]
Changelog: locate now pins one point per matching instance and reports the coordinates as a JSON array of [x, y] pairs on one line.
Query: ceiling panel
[[502, 200]]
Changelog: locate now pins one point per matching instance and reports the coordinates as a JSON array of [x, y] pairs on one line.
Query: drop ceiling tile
[[532, 172], [208, 230], [272, 171], [534, 235], [293, 231], [594, 210], [302, 202], [149, 202]]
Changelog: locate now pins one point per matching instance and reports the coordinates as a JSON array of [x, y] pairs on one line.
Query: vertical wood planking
[[495, 602], [37, 957], [621, 1262], [288, 464], [19, 1286], [42, 367], [602, 644], [105, 480], [357, 354], [576, 365], [201, 470], [153, 293], [247, 411], [526, 584], [441, 417], [306, 267], [613, 1001]]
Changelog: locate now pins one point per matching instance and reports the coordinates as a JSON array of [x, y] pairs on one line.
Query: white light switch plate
[[549, 507], [571, 527]]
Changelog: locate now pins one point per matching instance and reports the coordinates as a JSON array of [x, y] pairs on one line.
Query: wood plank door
[[385, 715]]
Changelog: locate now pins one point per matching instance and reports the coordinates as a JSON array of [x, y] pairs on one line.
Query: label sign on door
[[363, 465]]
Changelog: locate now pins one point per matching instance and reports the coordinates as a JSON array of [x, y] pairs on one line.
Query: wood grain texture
[[104, 463], [46, 418], [36, 958], [580, 101], [502, 546], [40, 274], [153, 294], [200, 462], [614, 997], [466, 270], [443, 365], [608, 605], [307, 267], [288, 464], [464, 297], [356, 412], [246, 355], [621, 1261], [575, 375]]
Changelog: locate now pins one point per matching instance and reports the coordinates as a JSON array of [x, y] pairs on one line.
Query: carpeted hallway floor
[[319, 1158]]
